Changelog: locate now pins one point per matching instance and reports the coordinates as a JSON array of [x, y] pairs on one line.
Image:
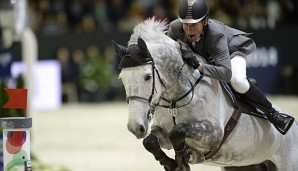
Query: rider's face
[[193, 30]]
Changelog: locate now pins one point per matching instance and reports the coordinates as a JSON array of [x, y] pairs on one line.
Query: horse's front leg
[[152, 144], [203, 132]]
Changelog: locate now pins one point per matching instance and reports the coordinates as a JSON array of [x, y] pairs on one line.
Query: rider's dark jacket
[[219, 42]]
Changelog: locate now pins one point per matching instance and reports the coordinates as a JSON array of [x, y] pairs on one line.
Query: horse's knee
[[151, 143], [178, 133]]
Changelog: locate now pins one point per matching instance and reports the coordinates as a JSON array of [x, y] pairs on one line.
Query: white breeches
[[239, 81]]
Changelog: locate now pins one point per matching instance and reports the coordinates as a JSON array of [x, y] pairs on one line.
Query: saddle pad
[[248, 108]]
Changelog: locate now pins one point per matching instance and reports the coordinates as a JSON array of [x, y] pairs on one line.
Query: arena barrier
[[16, 143]]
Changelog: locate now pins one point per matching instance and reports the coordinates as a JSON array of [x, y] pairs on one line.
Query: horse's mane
[[150, 30], [163, 49]]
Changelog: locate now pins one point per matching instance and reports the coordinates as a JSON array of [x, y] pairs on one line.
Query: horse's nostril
[[142, 129]]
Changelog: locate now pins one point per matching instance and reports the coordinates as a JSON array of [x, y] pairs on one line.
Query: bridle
[[172, 107], [130, 60], [153, 89]]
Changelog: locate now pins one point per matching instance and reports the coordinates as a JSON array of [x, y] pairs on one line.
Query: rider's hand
[[188, 56]]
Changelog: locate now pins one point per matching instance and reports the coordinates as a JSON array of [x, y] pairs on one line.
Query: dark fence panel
[[275, 63], [49, 44]]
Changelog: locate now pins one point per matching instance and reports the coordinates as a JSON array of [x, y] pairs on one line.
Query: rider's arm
[[218, 50]]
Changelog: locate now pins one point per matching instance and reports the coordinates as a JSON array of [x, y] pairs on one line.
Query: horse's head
[[142, 85]]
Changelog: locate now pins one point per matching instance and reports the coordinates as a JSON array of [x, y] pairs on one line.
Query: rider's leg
[[239, 81], [252, 93]]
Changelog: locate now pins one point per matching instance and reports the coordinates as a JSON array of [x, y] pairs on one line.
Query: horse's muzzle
[[140, 131]]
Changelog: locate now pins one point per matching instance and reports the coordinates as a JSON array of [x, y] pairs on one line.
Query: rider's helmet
[[192, 11]]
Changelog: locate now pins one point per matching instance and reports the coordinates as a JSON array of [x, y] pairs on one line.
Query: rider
[[226, 48]]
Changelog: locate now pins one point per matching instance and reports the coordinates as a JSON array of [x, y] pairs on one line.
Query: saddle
[[236, 98]]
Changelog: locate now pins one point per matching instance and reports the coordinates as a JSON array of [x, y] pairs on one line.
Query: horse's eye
[[148, 77]]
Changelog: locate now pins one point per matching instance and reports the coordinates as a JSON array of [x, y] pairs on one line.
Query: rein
[[172, 107], [173, 102]]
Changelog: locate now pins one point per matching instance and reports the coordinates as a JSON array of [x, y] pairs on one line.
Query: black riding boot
[[282, 122]]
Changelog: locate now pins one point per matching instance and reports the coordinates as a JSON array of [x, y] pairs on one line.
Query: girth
[[231, 124]]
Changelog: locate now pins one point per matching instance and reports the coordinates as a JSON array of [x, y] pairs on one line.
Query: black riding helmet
[[192, 11]]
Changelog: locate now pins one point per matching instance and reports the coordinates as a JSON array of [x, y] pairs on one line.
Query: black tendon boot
[[282, 122]]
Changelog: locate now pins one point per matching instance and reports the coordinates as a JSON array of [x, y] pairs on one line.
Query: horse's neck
[[207, 96], [176, 81], [168, 63], [178, 84]]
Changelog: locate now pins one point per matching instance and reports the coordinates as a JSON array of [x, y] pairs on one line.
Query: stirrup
[[269, 115], [288, 124]]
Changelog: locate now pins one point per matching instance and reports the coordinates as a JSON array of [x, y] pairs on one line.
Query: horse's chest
[[167, 121]]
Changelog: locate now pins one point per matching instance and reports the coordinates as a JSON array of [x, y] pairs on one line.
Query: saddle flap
[[235, 97]]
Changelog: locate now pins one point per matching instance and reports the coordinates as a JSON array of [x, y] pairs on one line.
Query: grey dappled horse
[[192, 115]]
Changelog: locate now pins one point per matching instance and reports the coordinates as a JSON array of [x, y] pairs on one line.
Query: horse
[[169, 108]]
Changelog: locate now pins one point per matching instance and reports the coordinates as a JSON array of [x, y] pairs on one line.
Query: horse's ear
[[144, 50], [142, 45], [120, 50]]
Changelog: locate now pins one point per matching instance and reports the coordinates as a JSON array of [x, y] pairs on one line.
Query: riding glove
[[188, 55]]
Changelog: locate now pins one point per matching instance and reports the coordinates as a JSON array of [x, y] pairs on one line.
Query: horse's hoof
[[184, 167], [196, 157], [171, 165], [183, 156]]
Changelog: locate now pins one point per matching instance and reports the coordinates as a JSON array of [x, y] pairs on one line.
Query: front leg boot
[[182, 157]]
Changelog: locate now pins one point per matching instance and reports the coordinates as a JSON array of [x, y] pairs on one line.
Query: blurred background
[[74, 67], [78, 35]]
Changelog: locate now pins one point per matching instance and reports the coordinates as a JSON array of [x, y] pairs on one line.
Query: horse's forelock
[[153, 32]]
